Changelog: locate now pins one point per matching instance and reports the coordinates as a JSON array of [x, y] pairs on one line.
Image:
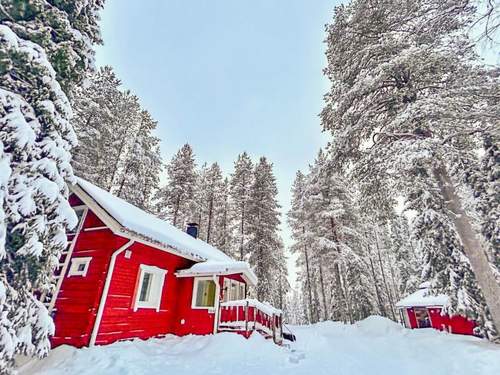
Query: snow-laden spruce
[[174, 200], [408, 107], [117, 150], [241, 181], [347, 262], [265, 251], [46, 49]]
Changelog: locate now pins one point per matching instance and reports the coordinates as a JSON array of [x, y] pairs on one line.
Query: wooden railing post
[[246, 317], [273, 327]]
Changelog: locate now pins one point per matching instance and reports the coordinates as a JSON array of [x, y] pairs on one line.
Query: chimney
[[192, 229]]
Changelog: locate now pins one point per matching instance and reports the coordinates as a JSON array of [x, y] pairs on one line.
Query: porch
[[246, 316]]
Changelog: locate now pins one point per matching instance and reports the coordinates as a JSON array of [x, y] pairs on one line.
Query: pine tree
[[407, 259], [263, 245], [241, 181], [175, 198], [297, 217], [140, 177], [444, 263], [117, 150], [334, 224], [97, 122], [45, 50], [210, 197], [485, 183], [123, 140], [281, 278], [222, 231], [294, 308], [406, 103]]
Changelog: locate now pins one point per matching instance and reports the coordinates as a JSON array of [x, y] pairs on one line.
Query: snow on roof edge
[[423, 298], [219, 268], [138, 222]]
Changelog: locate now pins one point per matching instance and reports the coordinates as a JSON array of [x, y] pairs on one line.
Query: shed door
[[422, 316]]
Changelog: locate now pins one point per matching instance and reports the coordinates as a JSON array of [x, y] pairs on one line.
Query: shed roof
[[423, 298]]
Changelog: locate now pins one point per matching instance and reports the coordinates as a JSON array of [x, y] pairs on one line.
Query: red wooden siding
[[454, 324], [78, 298], [119, 320]]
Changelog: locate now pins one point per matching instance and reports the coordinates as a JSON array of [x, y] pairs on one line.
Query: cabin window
[[79, 266], [233, 290], [204, 293], [80, 214], [150, 287]]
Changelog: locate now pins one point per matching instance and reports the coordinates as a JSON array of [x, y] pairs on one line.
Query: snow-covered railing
[[248, 315]]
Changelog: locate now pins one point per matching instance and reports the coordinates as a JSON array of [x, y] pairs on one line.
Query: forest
[[406, 191]]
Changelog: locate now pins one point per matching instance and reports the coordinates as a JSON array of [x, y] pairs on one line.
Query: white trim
[[406, 317], [156, 286], [75, 263], [105, 291], [217, 303], [120, 230], [246, 275], [91, 229], [72, 244], [194, 306]]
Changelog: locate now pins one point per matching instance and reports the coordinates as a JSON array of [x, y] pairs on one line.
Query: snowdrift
[[373, 346]]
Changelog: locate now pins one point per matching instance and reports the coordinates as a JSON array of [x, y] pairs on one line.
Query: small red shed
[[128, 274], [423, 310]]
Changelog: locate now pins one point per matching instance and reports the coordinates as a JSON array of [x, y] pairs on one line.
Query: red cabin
[[127, 274], [423, 310]]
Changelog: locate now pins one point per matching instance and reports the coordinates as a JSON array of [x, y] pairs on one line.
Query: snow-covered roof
[[220, 268], [423, 298], [145, 225]]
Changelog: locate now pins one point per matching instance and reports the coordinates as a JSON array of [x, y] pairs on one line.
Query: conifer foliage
[[264, 245], [175, 198], [239, 213], [348, 268], [45, 50], [117, 148], [408, 106]]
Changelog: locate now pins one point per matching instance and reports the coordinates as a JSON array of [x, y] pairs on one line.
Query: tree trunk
[[210, 214], [308, 275], [176, 210], [387, 289], [323, 296], [381, 306], [345, 293], [242, 230], [473, 247]]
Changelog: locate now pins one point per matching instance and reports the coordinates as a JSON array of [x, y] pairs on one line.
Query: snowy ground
[[373, 346]]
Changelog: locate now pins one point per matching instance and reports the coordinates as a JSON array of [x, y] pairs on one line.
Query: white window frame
[[195, 291], [75, 265], [157, 285]]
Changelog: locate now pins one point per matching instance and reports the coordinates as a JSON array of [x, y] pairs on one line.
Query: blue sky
[[226, 76]]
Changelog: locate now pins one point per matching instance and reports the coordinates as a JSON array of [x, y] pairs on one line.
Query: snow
[[375, 346], [139, 222], [422, 298], [220, 268]]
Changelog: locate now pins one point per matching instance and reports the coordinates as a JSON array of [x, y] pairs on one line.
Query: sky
[[226, 76]]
